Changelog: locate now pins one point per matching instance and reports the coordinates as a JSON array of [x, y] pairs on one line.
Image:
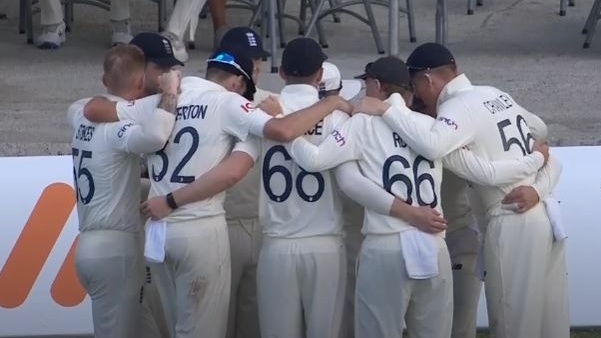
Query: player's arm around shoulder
[[75, 111], [222, 177]]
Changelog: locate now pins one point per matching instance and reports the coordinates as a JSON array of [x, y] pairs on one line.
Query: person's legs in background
[[217, 9], [180, 18], [120, 22], [53, 25]]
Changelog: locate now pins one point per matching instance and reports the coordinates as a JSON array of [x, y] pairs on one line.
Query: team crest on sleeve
[[247, 107], [449, 122]]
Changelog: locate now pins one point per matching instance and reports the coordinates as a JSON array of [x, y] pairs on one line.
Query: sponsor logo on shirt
[[339, 138], [122, 130], [449, 122], [247, 107]]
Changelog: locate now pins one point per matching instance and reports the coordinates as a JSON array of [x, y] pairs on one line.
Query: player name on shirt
[[398, 141], [84, 133], [502, 103], [317, 130], [190, 112]]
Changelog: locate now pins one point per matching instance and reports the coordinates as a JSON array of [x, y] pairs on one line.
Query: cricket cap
[[389, 70], [429, 56], [235, 62], [302, 57], [245, 39], [157, 49], [331, 80]]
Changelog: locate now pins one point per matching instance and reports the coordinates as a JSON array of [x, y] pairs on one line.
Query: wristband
[[171, 201]]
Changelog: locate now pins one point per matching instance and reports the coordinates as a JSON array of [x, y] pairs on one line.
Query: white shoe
[[179, 49], [121, 32], [52, 37]]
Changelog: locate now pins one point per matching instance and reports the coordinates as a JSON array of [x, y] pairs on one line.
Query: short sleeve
[[138, 110], [250, 146], [240, 117], [75, 110]]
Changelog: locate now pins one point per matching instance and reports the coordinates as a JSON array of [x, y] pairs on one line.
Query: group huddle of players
[[299, 214]]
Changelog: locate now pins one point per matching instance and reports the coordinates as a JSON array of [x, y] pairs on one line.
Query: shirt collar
[[299, 95], [396, 100], [458, 84], [195, 82]]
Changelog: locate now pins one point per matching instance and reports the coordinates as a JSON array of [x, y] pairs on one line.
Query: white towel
[[420, 252], [554, 213], [154, 246]]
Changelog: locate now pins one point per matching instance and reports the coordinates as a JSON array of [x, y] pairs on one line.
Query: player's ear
[[282, 75]]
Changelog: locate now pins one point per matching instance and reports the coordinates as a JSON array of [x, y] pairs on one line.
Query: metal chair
[[591, 23], [471, 5]]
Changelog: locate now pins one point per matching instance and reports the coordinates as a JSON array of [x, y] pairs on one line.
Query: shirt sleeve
[[433, 138], [339, 146], [240, 117], [138, 111], [468, 165], [547, 178], [361, 189], [75, 110], [250, 146], [131, 137]]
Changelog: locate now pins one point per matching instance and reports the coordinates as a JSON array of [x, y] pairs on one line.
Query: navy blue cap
[[302, 57], [245, 39], [157, 49], [389, 70], [235, 62], [429, 56]]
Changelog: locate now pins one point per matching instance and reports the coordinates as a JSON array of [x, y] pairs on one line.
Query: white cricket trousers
[[245, 242], [51, 11], [353, 240], [110, 266], [385, 295], [464, 245], [183, 12], [194, 279], [526, 279], [301, 286]]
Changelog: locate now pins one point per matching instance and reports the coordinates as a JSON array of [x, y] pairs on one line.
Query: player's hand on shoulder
[[521, 199], [339, 103], [170, 81], [371, 106], [542, 148], [427, 220], [271, 106], [155, 208]]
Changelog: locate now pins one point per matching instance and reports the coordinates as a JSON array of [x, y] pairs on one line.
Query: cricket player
[[53, 24], [109, 257], [465, 232], [242, 210], [414, 270], [332, 84], [194, 279], [525, 293]]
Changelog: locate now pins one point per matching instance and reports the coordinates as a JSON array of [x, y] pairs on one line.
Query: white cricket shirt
[[485, 119], [209, 120], [294, 202], [242, 200], [106, 165]]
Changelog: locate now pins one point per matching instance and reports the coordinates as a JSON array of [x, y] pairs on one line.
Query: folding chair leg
[[315, 11], [479, 2], [374, 29], [562, 7], [273, 31], [590, 20], [280, 17], [29, 21], [22, 19], [335, 16], [302, 15], [471, 4], [592, 24], [203, 13], [411, 21], [572, 3]]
